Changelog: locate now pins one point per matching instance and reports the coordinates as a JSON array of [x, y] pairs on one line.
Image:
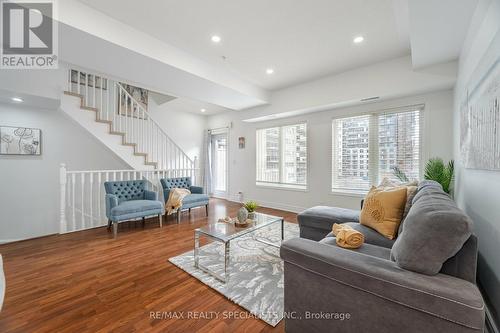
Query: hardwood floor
[[88, 282]]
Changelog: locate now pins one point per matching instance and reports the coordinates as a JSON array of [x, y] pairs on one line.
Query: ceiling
[[183, 104], [302, 42], [438, 29]]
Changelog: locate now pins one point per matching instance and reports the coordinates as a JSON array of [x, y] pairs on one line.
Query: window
[[367, 148], [282, 156]]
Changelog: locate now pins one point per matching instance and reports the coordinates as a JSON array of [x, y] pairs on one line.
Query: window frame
[[280, 185], [374, 151]]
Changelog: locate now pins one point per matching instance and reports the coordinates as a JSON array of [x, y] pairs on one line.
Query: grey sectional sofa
[[424, 281]]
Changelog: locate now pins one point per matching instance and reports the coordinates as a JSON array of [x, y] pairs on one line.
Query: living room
[[325, 166]]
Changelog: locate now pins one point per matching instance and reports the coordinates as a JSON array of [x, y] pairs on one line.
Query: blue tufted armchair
[[129, 199], [196, 199]]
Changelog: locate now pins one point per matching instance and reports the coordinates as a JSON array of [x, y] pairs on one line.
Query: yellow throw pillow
[[383, 209]]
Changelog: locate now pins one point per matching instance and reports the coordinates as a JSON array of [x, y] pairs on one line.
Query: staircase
[[106, 109]]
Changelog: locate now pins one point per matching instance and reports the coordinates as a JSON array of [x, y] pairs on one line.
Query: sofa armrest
[[442, 296], [150, 195], [196, 189], [111, 201]]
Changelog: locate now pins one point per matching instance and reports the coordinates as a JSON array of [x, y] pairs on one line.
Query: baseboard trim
[[491, 326], [5, 241]]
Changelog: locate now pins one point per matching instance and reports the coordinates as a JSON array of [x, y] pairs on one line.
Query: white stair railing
[[82, 201], [129, 118]]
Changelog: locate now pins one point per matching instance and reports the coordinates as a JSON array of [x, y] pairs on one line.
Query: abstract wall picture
[[480, 123], [241, 142], [125, 105], [20, 141]]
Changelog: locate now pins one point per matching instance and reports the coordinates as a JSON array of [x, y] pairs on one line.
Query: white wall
[[476, 191], [29, 185], [437, 133], [185, 128]]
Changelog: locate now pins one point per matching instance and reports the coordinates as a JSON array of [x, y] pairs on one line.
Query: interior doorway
[[220, 153]]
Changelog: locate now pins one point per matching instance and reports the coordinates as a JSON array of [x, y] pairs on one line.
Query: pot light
[[203, 110], [269, 71], [216, 39], [17, 99], [358, 39]]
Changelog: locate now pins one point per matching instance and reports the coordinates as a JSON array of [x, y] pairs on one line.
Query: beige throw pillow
[[383, 209], [411, 190]]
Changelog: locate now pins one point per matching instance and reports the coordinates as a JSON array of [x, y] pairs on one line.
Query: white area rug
[[255, 271]]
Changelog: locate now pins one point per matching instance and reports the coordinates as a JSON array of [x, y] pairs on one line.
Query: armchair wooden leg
[[109, 224], [206, 209], [189, 210], [159, 218], [143, 221], [115, 229], [178, 216]]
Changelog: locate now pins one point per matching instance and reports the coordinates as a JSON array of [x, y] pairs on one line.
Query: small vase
[[242, 215], [251, 215]]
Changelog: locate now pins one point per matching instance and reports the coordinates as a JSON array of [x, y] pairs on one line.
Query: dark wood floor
[[88, 282]]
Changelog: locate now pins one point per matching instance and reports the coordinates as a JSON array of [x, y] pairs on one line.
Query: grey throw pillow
[[434, 231]]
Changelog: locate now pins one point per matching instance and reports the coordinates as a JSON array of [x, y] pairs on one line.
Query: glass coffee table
[[226, 232]]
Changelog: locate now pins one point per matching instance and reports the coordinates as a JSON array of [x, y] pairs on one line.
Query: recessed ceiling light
[[358, 39], [216, 39], [17, 99], [269, 71], [203, 110]]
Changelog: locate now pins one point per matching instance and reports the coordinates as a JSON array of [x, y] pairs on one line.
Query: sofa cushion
[[368, 249], [135, 206], [371, 236], [434, 231], [194, 197]]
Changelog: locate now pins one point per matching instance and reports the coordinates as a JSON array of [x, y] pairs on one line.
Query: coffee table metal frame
[[226, 239]]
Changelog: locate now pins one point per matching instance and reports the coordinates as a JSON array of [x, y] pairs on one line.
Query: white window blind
[[367, 148], [350, 154], [282, 156]]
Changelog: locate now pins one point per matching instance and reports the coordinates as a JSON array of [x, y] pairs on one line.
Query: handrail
[[154, 121], [126, 116]]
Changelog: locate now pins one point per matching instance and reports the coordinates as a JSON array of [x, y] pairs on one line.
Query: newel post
[[195, 170], [62, 184]]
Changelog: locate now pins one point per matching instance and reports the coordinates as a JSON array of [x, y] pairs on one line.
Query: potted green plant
[[437, 170], [251, 206]]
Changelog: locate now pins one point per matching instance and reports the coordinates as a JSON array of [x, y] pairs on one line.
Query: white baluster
[[91, 180], [101, 101], [78, 82], [86, 89], [99, 194], [95, 83], [82, 183], [142, 130], [69, 81], [62, 202], [127, 117], [73, 207]]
